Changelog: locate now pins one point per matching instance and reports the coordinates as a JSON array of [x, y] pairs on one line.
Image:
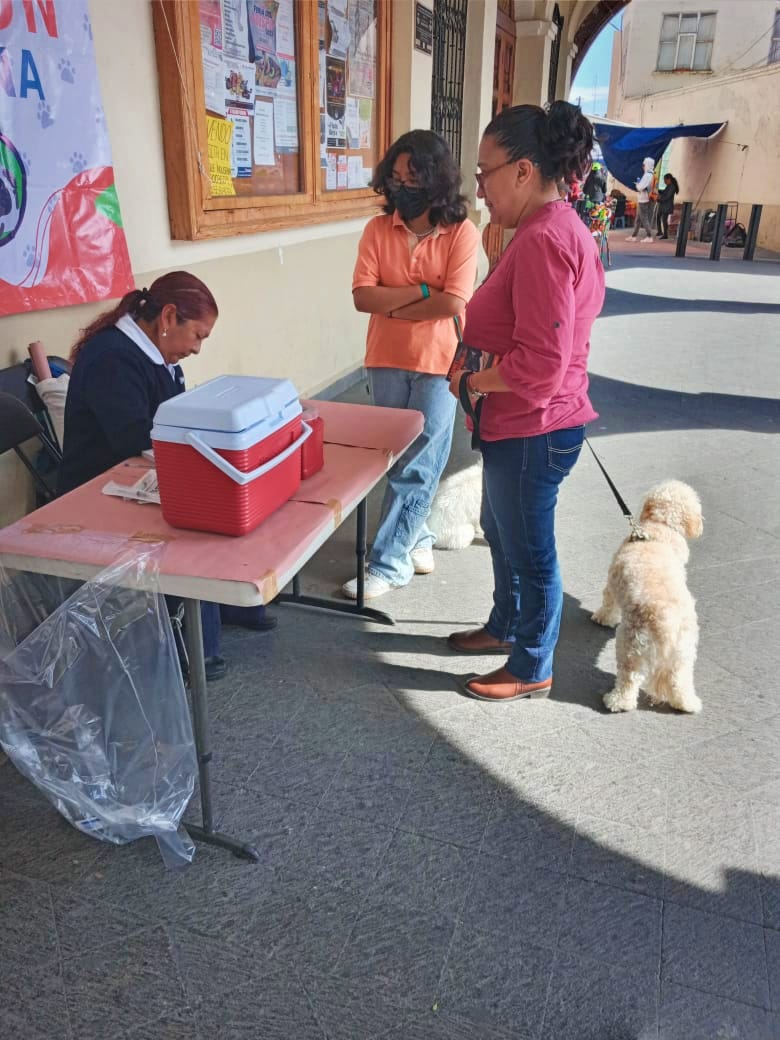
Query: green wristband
[[425, 291]]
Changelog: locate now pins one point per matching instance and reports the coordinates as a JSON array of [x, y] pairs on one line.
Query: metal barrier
[[684, 227], [719, 231], [752, 233]]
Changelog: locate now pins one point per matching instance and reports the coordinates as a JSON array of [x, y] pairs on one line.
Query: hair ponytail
[[559, 140], [191, 298]]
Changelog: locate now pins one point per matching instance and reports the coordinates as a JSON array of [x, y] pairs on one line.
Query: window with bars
[[449, 59], [686, 42], [774, 49]]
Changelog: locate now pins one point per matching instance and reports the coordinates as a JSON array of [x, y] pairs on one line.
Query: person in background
[[534, 314], [666, 204], [595, 186], [643, 205], [415, 271], [125, 364]]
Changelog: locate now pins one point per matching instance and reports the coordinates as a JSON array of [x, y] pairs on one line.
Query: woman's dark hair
[[191, 298], [672, 183], [437, 172], [559, 139]]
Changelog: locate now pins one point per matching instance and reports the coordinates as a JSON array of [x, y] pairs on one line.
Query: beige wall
[[741, 164], [743, 32]]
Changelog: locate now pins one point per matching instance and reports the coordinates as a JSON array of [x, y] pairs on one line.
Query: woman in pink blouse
[[534, 313]]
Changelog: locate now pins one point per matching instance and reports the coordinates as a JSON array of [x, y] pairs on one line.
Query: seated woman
[[125, 364]]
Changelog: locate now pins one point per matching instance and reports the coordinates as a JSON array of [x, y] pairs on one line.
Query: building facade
[[693, 61], [280, 265]]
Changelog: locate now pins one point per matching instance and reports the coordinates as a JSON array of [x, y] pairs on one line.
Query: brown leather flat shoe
[[501, 685], [477, 641]]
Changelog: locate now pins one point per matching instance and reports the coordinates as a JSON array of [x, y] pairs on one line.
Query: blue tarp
[[624, 147]]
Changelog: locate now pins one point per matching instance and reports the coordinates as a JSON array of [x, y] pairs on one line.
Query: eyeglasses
[[484, 174], [394, 184]]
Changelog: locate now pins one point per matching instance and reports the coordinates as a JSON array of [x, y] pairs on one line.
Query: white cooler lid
[[252, 405]]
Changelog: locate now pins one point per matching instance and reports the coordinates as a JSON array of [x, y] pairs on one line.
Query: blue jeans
[[413, 480], [520, 478]]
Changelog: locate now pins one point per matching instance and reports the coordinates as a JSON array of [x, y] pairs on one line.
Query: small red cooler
[[228, 453]]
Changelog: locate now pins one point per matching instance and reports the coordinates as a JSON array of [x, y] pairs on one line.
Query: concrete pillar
[[411, 75], [477, 93], [532, 61], [568, 54]]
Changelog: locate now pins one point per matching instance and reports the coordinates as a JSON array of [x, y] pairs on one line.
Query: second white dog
[[648, 599], [455, 512]]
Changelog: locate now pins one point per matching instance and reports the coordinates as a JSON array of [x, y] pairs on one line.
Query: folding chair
[[18, 425]]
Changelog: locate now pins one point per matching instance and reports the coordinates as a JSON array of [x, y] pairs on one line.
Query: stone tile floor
[[434, 868]]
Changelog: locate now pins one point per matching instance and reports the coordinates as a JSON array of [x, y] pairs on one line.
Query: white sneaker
[[374, 587], [422, 559], [647, 238]]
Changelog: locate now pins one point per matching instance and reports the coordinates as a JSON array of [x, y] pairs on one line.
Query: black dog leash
[[637, 534]]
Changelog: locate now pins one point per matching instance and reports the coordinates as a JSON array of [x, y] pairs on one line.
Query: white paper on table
[[355, 172], [264, 134], [240, 144], [214, 80], [144, 490], [330, 179], [353, 123], [285, 124]]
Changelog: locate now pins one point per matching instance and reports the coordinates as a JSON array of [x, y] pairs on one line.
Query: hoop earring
[[164, 332]]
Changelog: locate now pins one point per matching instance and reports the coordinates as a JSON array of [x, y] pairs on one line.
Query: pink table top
[[83, 532]]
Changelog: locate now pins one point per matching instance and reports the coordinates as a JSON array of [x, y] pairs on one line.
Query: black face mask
[[410, 202]]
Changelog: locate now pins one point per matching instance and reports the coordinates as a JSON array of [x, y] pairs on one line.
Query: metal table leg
[[358, 608], [193, 634]]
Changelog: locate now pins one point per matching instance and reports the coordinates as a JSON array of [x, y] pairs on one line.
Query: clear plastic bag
[[92, 703]]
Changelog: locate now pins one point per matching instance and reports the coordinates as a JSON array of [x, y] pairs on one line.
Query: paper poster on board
[[262, 27], [264, 133], [211, 24], [362, 48], [239, 83], [61, 236], [285, 124], [241, 144], [235, 30], [219, 135], [213, 80]]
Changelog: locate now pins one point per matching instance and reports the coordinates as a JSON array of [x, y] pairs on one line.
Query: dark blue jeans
[[211, 620], [521, 477]]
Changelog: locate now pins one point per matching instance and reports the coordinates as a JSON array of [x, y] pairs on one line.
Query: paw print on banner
[[87, 25], [27, 163], [29, 255], [100, 119], [77, 162], [45, 117], [67, 71]]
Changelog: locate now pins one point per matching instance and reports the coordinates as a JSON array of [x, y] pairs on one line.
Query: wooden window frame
[[193, 214]]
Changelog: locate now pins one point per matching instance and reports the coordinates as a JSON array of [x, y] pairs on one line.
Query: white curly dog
[[648, 599], [455, 511]]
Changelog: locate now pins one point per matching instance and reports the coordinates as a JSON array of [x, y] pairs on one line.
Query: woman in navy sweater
[[125, 364]]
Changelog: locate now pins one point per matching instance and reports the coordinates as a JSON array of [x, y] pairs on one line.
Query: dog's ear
[[694, 524]]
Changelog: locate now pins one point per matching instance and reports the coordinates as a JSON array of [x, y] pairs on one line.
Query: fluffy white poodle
[[454, 515], [648, 599]]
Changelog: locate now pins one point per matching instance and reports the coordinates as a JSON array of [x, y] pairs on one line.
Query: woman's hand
[[455, 383]]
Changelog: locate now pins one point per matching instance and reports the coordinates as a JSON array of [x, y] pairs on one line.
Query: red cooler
[[228, 453]]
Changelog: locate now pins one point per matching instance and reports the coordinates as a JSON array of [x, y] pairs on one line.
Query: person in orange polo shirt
[[415, 272]]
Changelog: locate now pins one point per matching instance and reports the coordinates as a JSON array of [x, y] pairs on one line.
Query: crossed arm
[[406, 302]]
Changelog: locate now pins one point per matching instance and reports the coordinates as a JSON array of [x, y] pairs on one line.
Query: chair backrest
[[17, 423]]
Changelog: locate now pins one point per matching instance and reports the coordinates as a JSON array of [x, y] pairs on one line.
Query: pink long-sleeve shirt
[[535, 312]]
